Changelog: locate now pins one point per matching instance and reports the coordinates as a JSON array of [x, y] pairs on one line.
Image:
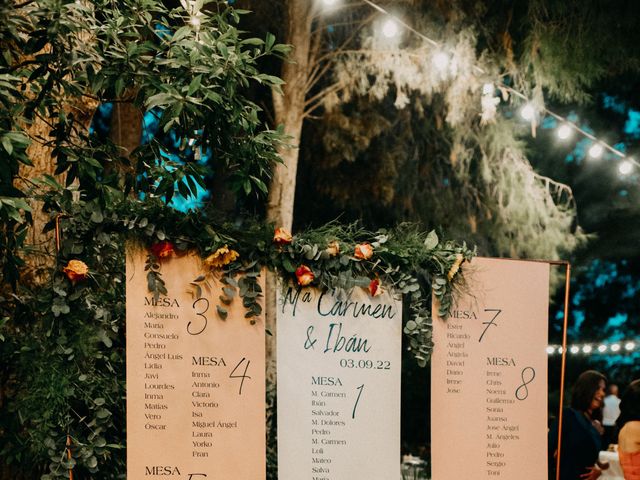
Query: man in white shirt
[[610, 413]]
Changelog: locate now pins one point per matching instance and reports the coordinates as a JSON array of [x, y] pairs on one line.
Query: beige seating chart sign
[[489, 375], [195, 382], [338, 385]]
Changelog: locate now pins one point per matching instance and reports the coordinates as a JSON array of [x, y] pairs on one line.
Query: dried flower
[[76, 270], [304, 275], [282, 237], [363, 251], [221, 257], [375, 288], [455, 267], [333, 249], [163, 249]]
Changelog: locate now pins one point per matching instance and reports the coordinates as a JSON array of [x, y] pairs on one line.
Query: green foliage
[[61, 58]]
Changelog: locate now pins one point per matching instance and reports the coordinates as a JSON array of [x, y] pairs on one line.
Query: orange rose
[[455, 267], [282, 237], [76, 270], [333, 249], [221, 257], [364, 251], [304, 275], [163, 249], [375, 288]]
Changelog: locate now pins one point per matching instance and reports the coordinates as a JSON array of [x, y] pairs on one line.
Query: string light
[[596, 150], [625, 167], [390, 28], [564, 131], [620, 348], [528, 111]]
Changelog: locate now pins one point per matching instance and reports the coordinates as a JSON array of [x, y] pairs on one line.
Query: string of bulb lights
[[392, 26], [616, 348]]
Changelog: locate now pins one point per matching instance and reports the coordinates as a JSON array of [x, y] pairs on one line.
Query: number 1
[[355, 406]]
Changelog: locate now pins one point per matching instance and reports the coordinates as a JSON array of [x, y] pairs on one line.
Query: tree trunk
[[289, 112], [126, 127]]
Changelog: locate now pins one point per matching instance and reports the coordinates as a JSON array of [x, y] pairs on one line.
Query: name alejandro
[[161, 302]]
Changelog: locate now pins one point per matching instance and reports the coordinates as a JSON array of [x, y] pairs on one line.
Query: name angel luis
[[330, 306]]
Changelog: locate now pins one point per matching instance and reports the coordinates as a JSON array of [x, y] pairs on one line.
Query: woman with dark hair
[[581, 431], [629, 436]]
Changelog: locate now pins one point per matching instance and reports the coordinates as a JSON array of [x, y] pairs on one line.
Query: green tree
[[61, 347]]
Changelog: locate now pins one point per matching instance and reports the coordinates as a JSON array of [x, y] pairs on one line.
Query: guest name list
[[489, 375], [338, 385], [195, 383]]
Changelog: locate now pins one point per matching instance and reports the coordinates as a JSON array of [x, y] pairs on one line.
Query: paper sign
[[338, 385], [489, 375], [195, 382]]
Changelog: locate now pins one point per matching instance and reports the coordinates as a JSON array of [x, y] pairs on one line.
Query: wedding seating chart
[[489, 375], [195, 382], [338, 385]]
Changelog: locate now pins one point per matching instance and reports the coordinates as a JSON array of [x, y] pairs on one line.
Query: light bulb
[[625, 167], [602, 348], [528, 112], [551, 350], [560, 350], [441, 60], [574, 349], [564, 131], [587, 349], [629, 346], [596, 150], [389, 28], [615, 347]]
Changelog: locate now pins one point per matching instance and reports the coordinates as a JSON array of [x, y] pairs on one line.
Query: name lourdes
[[342, 308]]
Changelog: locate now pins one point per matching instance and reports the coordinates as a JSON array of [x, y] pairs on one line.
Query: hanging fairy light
[[628, 346], [390, 28], [596, 150], [528, 112], [625, 167], [564, 131]]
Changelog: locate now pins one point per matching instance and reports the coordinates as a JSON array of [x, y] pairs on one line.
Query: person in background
[[581, 431], [629, 436], [610, 413]]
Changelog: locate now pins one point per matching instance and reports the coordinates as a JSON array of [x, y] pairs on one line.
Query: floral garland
[[336, 257]]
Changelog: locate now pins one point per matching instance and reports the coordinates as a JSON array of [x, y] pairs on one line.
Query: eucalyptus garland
[[333, 257]]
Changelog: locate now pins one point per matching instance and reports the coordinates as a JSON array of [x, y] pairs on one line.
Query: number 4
[[244, 374]]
